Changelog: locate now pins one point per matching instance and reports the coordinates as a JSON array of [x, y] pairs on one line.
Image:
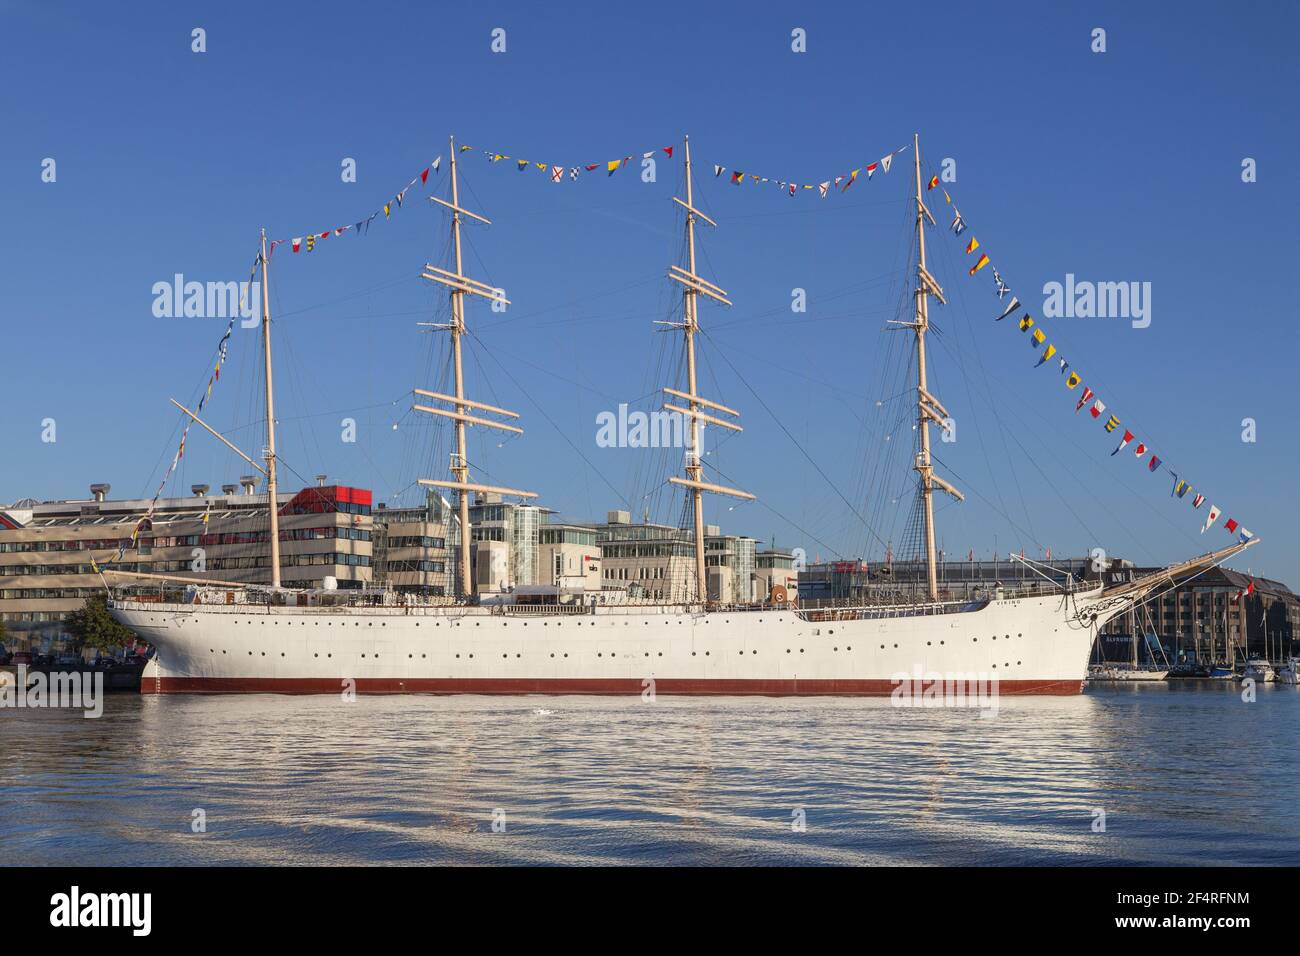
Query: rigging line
[[802, 530], [1083, 524], [818, 208], [1106, 388], [548, 418], [831, 296], [961, 299], [406, 277], [818, 381], [866, 524], [1088, 457], [568, 303], [975, 489], [543, 369]]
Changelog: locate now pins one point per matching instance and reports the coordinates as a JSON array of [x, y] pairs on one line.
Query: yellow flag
[[1026, 323], [1073, 381], [972, 245], [1038, 337]]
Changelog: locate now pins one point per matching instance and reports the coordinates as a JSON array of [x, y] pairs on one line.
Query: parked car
[[21, 657], [68, 661]]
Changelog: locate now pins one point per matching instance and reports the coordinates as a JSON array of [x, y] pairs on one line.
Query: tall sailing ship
[[225, 637]]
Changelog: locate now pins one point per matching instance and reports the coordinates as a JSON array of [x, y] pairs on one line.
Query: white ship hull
[[1029, 645]]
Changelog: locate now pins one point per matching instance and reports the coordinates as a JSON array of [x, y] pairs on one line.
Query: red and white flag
[[557, 174], [1212, 517]]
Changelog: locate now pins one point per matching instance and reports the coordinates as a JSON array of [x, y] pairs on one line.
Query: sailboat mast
[[460, 467], [272, 499], [923, 464], [694, 467]]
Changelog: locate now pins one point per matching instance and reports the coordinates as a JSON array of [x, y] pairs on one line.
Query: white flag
[[1212, 517], [885, 161], [557, 173]]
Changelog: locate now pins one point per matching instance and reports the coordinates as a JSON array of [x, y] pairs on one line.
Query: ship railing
[[526, 610]]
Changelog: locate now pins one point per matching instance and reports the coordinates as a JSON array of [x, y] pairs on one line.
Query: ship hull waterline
[[1030, 645]]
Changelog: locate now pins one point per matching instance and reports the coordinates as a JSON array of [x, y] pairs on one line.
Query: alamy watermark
[[75, 690], [207, 300], [1099, 300], [624, 429], [950, 689]]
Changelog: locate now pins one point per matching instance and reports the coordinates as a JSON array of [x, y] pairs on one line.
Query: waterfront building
[[773, 569], [415, 548], [1201, 619], [46, 548]]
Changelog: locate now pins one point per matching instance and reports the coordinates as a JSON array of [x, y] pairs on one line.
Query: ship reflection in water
[[1185, 775]]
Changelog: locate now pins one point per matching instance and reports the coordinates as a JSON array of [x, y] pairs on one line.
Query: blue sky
[[1120, 166]]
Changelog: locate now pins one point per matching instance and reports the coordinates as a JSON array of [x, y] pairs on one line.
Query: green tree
[[94, 627]]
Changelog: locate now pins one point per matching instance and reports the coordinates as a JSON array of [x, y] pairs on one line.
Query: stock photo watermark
[[1085, 299], [178, 299], [71, 690], [931, 689]]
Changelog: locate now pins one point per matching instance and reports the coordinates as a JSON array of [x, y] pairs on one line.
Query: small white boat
[[1124, 672], [1259, 670], [1287, 673]]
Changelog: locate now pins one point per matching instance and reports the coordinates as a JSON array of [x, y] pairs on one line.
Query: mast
[[928, 407], [460, 285], [273, 504], [694, 285]]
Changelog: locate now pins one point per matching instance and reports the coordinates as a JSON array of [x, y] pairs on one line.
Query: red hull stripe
[[566, 685]]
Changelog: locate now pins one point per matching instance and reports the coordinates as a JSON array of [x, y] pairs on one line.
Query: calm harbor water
[[1186, 773]]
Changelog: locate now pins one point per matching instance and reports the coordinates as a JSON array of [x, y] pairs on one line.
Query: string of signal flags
[[1073, 380], [557, 173]]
